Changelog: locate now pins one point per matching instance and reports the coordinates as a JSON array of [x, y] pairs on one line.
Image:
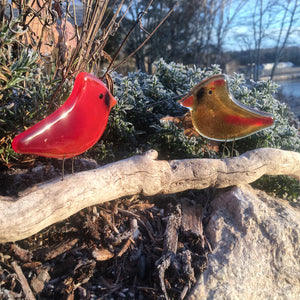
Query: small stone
[[102, 254], [38, 282]]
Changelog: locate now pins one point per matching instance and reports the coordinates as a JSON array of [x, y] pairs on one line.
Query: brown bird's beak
[[187, 100]]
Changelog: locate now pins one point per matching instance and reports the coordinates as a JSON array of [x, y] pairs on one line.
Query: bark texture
[[54, 201]]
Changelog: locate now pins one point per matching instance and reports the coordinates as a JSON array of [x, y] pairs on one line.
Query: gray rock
[[256, 251]]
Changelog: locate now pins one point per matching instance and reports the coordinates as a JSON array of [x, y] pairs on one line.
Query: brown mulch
[[132, 248]]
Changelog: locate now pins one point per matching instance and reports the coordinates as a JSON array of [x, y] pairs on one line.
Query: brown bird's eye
[[210, 92], [101, 96]]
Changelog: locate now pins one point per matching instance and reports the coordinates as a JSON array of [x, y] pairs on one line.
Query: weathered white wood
[[54, 201]]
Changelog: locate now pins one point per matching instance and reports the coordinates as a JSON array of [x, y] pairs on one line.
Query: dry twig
[[26, 288]]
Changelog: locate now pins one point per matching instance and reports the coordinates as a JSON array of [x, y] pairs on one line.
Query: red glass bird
[[216, 115], [74, 127]]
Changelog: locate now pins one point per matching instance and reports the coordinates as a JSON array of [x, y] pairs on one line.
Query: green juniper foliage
[[135, 124], [284, 134], [282, 186]]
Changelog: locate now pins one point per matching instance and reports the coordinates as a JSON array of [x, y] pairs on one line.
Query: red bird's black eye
[[210, 92], [101, 96]]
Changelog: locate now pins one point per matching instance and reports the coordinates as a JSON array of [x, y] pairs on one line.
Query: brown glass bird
[[217, 115]]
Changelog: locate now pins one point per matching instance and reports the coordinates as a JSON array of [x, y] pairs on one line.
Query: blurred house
[[284, 71]]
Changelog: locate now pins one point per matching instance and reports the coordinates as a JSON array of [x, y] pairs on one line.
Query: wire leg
[[72, 165], [223, 151], [63, 169]]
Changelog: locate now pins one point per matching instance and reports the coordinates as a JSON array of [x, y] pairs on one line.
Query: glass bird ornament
[[74, 127], [218, 116]]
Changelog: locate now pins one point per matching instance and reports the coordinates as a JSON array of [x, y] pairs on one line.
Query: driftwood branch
[[54, 201]]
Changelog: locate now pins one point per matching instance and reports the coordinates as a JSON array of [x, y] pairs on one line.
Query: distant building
[[281, 65], [284, 71]]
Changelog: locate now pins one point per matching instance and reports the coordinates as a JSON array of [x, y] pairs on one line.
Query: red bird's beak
[[112, 101]]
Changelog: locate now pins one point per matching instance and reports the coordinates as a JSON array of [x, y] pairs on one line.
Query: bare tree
[[262, 19], [153, 15], [206, 16], [291, 10], [226, 15], [193, 34], [270, 20]]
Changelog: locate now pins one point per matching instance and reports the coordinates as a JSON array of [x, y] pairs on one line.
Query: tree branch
[[56, 200]]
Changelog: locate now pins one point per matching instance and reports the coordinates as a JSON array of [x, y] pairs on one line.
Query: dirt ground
[[131, 248]]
